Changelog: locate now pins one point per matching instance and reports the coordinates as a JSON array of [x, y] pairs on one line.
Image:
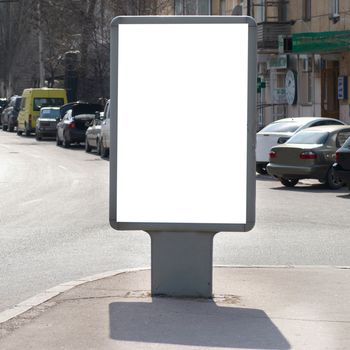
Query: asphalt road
[[54, 222]]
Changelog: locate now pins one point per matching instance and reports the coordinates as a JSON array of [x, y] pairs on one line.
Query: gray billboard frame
[[251, 126]]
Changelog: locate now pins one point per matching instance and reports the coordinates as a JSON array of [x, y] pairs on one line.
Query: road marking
[[35, 156], [32, 201]]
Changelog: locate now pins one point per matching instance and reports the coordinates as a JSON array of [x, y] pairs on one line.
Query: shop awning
[[320, 42]]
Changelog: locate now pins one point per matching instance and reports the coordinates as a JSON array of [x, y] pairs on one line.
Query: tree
[[14, 28], [66, 26]]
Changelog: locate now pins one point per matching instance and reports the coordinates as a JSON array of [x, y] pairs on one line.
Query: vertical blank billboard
[[183, 123]]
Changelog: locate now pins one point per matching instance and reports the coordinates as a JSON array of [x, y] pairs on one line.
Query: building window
[[306, 10], [306, 81], [334, 15], [277, 91], [259, 11], [190, 7], [335, 8], [222, 7], [282, 11]]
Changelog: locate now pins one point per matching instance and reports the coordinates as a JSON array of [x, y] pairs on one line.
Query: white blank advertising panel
[[181, 136]]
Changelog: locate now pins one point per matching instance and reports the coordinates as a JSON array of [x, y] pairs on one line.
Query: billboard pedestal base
[[182, 264]]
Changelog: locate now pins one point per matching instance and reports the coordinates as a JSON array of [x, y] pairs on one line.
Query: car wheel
[[66, 143], [11, 127], [288, 182], [104, 151], [87, 146], [4, 127], [58, 141], [19, 132], [98, 146], [261, 169], [333, 181], [37, 136]]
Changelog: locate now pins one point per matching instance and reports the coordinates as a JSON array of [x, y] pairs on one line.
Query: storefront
[[322, 71]]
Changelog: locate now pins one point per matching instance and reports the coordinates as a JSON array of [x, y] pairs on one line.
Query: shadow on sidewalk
[[194, 322]]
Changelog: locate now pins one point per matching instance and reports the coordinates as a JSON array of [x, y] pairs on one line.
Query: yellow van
[[32, 100]]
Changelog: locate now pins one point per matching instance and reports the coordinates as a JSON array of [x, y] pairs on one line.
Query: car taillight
[[71, 125], [272, 154], [337, 156], [308, 155]]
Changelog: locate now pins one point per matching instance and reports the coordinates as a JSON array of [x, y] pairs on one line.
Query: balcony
[[268, 32]]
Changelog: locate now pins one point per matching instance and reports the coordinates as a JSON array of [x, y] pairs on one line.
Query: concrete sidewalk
[[254, 308]]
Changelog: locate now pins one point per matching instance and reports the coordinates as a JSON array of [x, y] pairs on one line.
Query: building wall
[[325, 67], [321, 21], [344, 69], [228, 6], [320, 16]]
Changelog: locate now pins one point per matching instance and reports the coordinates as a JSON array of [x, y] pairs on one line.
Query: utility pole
[[8, 87], [41, 54]]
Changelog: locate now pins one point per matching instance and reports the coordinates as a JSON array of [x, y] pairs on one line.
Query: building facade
[[303, 56], [321, 57]]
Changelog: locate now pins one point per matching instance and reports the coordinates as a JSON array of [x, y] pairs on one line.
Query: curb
[[50, 293]]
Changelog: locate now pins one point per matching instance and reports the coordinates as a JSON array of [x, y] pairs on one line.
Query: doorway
[[329, 86]]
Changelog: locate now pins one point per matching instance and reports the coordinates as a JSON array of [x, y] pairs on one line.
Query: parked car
[[46, 123], [66, 107], [342, 165], [105, 132], [93, 134], [309, 154], [32, 101], [72, 128], [3, 104], [280, 131], [10, 113]]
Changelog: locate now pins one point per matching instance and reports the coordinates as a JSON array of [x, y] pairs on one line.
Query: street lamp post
[[41, 54]]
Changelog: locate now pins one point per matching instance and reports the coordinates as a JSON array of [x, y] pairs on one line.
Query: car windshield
[[50, 113], [309, 137], [282, 127], [347, 143], [46, 102], [18, 102]]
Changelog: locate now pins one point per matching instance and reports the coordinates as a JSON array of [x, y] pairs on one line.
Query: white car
[[280, 131], [105, 132]]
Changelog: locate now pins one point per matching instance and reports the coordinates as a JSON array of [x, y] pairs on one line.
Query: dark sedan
[[342, 165], [72, 128], [309, 154], [3, 104], [10, 113]]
